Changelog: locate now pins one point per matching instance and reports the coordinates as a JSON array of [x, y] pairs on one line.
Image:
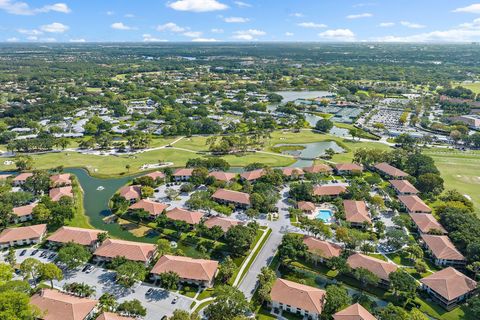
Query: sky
[[234, 20]]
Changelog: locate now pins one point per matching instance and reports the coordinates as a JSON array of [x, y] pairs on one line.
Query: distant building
[[61, 180], [426, 223], [473, 120], [190, 217], [183, 174], [24, 213], [21, 178], [57, 193], [318, 168], [222, 176], [224, 223], [131, 193], [329, 190], [380, 268], [443, 251], [390, 171], [133, 251], [321, 249], [404, 187], [356, 213], [252, 175], [152, 207], [238, 199], [81, 236], [413, 204], [348, 168], [20, 236]]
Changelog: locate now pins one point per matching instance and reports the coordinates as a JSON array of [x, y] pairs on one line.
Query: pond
[[310, 151], [95, 202]]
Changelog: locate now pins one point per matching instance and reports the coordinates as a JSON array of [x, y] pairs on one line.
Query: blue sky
[[245, 20]]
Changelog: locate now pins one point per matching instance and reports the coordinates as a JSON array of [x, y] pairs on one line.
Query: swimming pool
[[324, 214]]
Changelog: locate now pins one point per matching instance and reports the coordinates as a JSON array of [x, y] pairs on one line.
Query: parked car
[[34, 252], [175, 299], [53, 255], [149, 291], [90, 269], [23, 253], [43, 254]]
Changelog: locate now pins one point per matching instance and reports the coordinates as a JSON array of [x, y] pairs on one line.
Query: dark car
[[43, 254], [34, 252], [52, 256], [175, 300], [23, 253], [149, 291]]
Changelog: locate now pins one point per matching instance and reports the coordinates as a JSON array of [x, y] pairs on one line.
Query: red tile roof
[[61, 306], [232, 196], [442, 247], [390, 170], [187, 172], [292, 172], [322, 248], [318, 168], [23, 233], [403, 186], [155, 175], [253, 175], [61, 179], [57, 193], [348, 167], [152, 207], [224, 223], [187, 268], [222, 176], [85, 237], [414, 204], [298, 295], [113, 316], [22, 177], [305, 205], [190, 217], [449, 283], [131, 192], [427, 222], [329, 190], [24, 210], [378, 267], [356, 211], [354, 312], [134, 251]]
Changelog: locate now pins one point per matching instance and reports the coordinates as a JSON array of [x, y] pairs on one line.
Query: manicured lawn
[[255, 253], [196, 143], [475, 87], [189, 291], [400, 258], [377, 255], [80, 219], [437, 312], [264, 314], [207, 293]]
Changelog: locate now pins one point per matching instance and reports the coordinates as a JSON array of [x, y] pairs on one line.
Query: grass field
[[475, 87], [460, 171]]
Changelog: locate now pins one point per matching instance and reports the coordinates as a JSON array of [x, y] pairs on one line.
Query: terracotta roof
[[22, 177], [298, 295], [61, 179], [190, 217], [378, 267], [135, 251], [329, 190], [253, 175], [222, 176], [348, 167], [187, 268], [183, 172], [155, 175], [292, 171], [449, 283], [62, 306], [354, 312], [318, 168], [403, 186], [24, 210], [224, 223], [23, 233], [57, 193], [152, 207], [413, 203], [390, 170], [322, 248], [426, 222], [232, 196], [131, 192], [356, 211], [305, 205], [85, 237], [442, 247], [113, 316]]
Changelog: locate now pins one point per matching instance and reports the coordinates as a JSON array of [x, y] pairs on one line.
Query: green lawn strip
[[189, 291], [207, 293], [377, 255], [264, 314], [255, 254], [201, 305], [80, 219]]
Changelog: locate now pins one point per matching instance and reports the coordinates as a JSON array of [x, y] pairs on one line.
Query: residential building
[[21, 236], [152, 207], [156, 175], [196, 271], [329, 190], [449, 287], [82, 236], [347, 168], [238, 199], [131, 193], [318, 168], [306, 206], [390, 171], [473, 120], [58, 193], [183, 174], [190, 217], [354, 312], [403, 187], [24, 213], [297, 298], [224, 223], [253, 175], [427, 223], [443, 251], [413, 204], [380, 268], [113, 316], [21, 178], [293, 173], [61, 180], [222, 176], [133, 251], [321, 249], [356, 213], [56, 305]]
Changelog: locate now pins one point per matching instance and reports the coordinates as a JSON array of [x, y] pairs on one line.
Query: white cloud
[[412, 25], [48, 40], [204, 40], [386, 24], [338, 35], [32, 38], [110, 13], [192, 34], [55, 27], [13, 39], [297, 15], [242, 4], [197, 5], [170, 26], [359, 16], [248, 35], [120, 26], [236, 20], [216, 30], [81, 40], [311, 25], [465, 32], [364, 4], [289, 34], [31, 32], [473, 8], [149, 38], [129, 15], [23, 8]]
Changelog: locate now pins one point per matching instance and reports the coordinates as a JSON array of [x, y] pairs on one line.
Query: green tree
[[80, 289], [169, 280], [184, 315], [11, 258], [30, 268], [73, 255], [366, 277], [108, 302], [23, 163], [163, 247], [337, 299], [402, 283], [50, 272], [147, 192], [130, 272], [266, 279], [6, 273], [229, 302], [227, 269], [324, 125], [132, 308], [16, 306]]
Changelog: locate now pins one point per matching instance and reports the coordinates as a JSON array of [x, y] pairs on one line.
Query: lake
[[311, 151]]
